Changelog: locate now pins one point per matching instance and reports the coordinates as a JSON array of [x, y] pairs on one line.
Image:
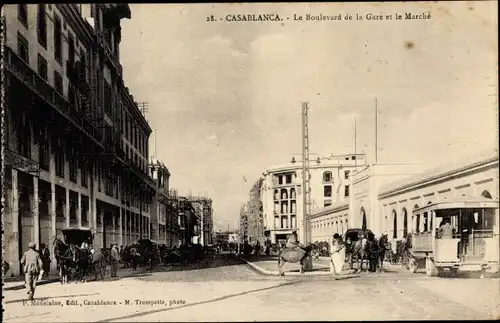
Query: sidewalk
[[269, 266], [16, 283]]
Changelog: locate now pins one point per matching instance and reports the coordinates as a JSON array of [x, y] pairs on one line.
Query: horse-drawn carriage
[[71, 254], [471, 242]]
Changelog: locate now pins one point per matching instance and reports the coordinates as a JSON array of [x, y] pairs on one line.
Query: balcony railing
[[138, 172], [15, 65]]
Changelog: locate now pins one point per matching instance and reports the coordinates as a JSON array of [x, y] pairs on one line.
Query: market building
[[385, 195]]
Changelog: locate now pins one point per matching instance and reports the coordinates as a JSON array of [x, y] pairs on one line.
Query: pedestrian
[[33, 265], [337, 259], [45, 254], [115, 257]]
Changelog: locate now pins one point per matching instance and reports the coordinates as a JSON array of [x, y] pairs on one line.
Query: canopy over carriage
[[77, 236], [353, 234], [457, 234]]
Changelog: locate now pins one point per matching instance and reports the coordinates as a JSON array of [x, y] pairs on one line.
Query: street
[[228, 289]]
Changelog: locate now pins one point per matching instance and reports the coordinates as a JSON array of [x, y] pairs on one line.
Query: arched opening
[[486, 218], [363, 219], [405, 223], [394, 224], [276, 195], [284, 194], [486, 194], [292, 193]]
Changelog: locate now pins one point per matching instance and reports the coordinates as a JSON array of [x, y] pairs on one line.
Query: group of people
[[337, 250]]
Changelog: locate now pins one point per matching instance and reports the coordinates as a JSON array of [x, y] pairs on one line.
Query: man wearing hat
[[32, 263], [115, 257]]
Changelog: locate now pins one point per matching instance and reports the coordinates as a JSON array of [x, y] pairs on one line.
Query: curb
[[21, 285], [276, 273]]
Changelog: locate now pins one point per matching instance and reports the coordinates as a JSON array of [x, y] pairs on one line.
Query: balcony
[[139, 173], [23, 72]]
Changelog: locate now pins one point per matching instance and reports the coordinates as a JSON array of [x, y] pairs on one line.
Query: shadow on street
[[220, 260], [197, 303]]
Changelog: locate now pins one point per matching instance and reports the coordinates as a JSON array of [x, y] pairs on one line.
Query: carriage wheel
[[413, 265], [430, 268]]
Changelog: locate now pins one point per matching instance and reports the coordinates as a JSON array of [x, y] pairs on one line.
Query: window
[[327, 203], [58, 83], [22, 14], [83, 64], [23, 48], [288, 179], [71, 50], [59, 159], [24, 135], [42, 67], [346, 174], [327, 176], [57, 40], [84, 174], [327, 191], [42, 26], [107, 98], [346, 191]]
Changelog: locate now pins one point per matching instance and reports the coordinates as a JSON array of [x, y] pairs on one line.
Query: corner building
[[76, 144]]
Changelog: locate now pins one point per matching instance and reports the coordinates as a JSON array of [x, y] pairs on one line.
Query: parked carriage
[[95, 263], [77, 236], [353, 235], [472, 245]]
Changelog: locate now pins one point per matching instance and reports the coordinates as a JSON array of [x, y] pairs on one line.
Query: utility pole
[[355, 150], [306, 184]]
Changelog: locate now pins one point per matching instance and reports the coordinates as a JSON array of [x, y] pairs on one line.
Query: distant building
[[204, 212], [281, 191]]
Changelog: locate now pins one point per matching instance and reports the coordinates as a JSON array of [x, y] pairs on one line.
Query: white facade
[[281, 192], [386, 195]]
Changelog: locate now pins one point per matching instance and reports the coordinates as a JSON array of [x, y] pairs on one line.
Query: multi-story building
[[253, 217], [75, 140], [160, 217], [203, 211], [281, 191]]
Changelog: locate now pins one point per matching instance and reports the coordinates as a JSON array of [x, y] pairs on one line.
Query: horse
[[63, 255], [378, 251], [294, 255], [359, 252], [405, 251]]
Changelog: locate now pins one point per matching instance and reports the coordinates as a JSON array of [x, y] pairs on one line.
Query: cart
[[471, 242]]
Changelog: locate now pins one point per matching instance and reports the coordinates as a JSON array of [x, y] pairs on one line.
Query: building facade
[[384, 196], [252, 217], [281, 192], [204, 214], [76, 144]]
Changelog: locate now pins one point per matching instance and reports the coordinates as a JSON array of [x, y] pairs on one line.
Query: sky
[[225, 98]]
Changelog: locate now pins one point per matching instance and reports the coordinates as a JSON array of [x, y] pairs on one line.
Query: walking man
[[115, 257], [33, 264]]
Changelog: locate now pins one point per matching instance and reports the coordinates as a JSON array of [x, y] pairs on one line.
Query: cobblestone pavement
[[227, 290]]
